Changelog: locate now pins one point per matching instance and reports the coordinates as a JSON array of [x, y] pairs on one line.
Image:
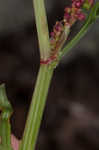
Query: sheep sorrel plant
[[51, 52]]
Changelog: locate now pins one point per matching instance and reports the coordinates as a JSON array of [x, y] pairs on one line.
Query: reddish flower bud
[[58, 26], [52, 34], [78, 4], [67, 10], [91, 2], [81, 16], [67, 17]]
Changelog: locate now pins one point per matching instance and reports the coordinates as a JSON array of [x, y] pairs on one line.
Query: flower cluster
[[71, 15], [74, 13], [55, 35]]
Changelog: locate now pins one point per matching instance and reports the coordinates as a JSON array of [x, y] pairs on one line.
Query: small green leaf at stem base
[[5, 128]]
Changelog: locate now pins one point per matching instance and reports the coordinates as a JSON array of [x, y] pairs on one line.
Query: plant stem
[[42, 28], [37, 108], [43, 80], [75, 40]]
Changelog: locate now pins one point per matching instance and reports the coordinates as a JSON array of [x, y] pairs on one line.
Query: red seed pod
[[77, 3], [82, 1]]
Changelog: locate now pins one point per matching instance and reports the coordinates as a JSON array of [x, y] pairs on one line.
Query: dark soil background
[[71, 117]]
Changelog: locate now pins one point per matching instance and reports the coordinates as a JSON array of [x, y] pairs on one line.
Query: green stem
[[43, 81], [37, 108], [42, 28], [74, 41]]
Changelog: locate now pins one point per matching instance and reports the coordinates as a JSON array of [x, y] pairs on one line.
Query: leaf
[[5, 128], [4, 102]]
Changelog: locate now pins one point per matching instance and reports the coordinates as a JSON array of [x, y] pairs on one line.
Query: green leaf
[[5, 128], [4, 102]]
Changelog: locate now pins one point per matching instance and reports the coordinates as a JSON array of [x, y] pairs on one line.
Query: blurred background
[[71, 117]]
